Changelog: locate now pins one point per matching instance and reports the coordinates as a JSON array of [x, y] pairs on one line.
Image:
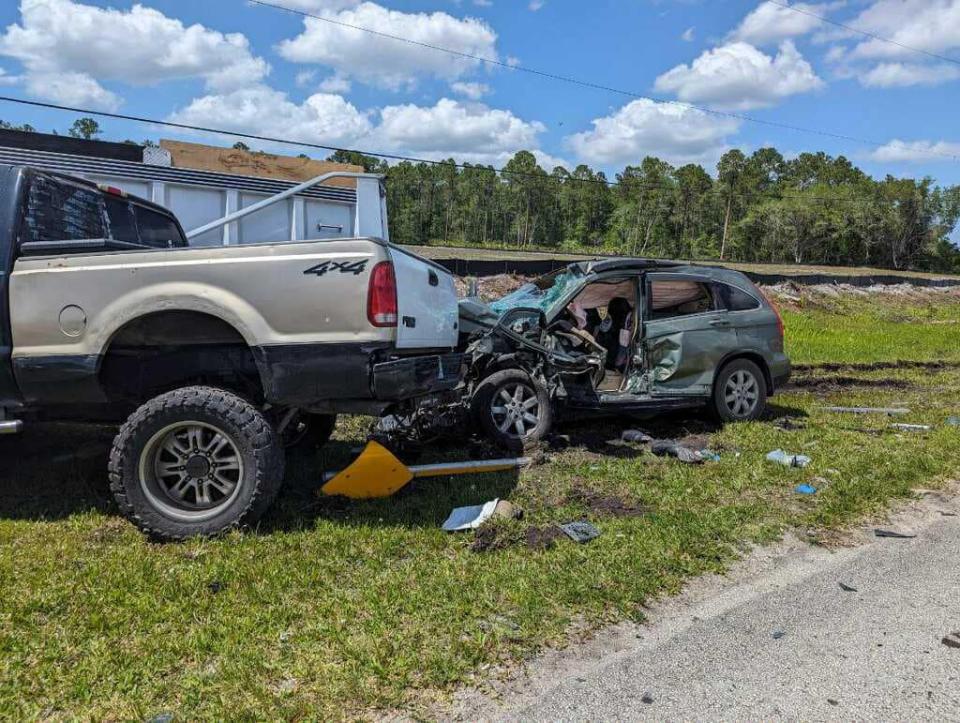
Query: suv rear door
[[686, 334]]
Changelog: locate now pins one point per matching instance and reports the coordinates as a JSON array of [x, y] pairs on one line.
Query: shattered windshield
[[540, 294]]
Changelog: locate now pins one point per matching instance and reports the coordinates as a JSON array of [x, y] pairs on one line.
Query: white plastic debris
[[470, 518], [788, 460]]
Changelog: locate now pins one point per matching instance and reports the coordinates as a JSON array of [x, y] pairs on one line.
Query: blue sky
[[233, 65]]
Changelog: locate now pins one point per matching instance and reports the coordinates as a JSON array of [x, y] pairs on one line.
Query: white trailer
[[199, 198]]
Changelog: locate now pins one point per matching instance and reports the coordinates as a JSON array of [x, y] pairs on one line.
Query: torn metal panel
[[665, 354]]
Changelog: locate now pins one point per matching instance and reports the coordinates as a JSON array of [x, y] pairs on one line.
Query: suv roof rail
[[601, 265]]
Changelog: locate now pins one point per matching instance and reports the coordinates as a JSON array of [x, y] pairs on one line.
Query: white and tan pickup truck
[[210, 354]]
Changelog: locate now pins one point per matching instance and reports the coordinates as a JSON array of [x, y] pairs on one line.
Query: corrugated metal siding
[[102, 167]]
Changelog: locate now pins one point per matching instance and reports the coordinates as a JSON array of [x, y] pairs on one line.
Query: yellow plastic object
[[375, 473]]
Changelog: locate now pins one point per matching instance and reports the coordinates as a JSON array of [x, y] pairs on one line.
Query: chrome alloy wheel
[[191, 470], [741, 393], [516, 409]]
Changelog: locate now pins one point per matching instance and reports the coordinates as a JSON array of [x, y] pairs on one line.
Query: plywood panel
[[246, 163]]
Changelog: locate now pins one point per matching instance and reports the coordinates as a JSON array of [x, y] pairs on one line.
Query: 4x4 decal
[[344, 267]]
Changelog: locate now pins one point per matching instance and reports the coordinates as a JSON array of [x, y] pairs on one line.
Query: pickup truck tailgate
[[426, 303]]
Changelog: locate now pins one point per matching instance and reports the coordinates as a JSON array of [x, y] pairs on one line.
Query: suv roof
[[600, 266]]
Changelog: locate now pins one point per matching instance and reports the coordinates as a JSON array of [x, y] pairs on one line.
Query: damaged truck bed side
[[627, 335]]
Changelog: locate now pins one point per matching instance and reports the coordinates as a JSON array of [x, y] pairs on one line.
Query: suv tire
[[196, 461], [513, 409], [740, 392]]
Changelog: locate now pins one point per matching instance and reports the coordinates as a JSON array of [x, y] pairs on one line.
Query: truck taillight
[[382, 296]]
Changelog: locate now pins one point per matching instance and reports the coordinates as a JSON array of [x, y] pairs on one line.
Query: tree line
[[811, 209]]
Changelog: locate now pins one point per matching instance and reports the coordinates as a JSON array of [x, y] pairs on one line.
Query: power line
[[410, 159], [866, 33], [590, 84]]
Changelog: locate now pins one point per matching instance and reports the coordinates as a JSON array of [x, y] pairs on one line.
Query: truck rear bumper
[[324, 375], [419, 376]]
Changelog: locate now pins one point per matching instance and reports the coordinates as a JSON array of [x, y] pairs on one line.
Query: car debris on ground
[[671, 448], [912, 427], [788, 460], [892, 534], [889, 411], [470, 518], [580, 532], [636, 436]]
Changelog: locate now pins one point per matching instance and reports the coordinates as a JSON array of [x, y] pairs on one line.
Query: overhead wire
[[586, 83], [866, 33]]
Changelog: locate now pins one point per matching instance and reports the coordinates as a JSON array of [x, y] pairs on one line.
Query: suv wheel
[[740, 393], [513, 409], [195, 462]]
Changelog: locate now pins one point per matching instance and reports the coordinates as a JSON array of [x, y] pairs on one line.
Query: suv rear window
[[676, 297], [734, 299]]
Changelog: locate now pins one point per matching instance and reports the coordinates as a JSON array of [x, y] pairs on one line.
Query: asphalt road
[[778, 639]]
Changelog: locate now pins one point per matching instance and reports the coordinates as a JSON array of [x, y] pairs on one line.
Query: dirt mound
[[797, 296]]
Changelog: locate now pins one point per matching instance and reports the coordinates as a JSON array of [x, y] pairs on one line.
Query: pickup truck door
[[428, 315], [686, 335]]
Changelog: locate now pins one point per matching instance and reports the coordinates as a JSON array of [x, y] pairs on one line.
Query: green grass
[[336, 609]]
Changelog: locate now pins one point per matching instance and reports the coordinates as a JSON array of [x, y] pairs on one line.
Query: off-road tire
[[489, 391], [726, 411], [253, 439]]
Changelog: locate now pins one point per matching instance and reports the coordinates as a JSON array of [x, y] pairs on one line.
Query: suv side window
[[734, 299], [670, 298], [158, 230], [57, 210]]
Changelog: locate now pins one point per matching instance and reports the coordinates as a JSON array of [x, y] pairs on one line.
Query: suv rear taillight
[[776, 311], [382, 296]]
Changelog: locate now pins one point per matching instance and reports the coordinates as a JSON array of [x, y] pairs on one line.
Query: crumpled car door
[[684, 342]]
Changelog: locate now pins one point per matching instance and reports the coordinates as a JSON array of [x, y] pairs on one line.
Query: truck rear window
[[59, 210]]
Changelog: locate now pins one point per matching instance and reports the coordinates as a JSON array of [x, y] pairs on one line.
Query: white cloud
[[471, 133], [771, 22], [451, 128], [305, 78], [897, 151], [483, 3], [74, 89], [929, 25], [536, 5], [63, 42], [473, 91], [319, 6], [670, 131], [322, 118], [386, 62], [7, 79], [737, 76], [335, 84], [900, 75], [688, 35]]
